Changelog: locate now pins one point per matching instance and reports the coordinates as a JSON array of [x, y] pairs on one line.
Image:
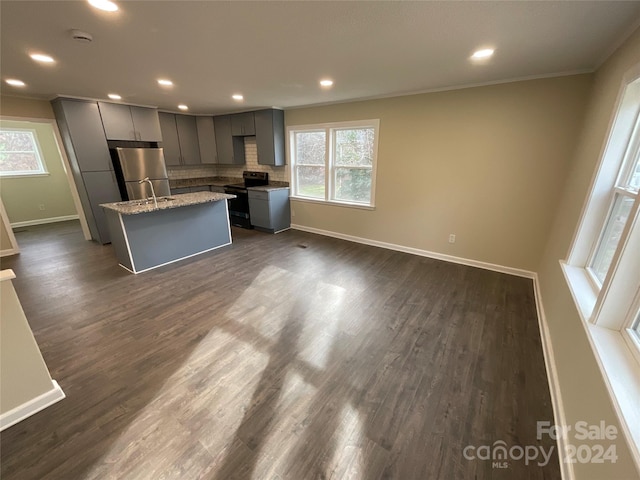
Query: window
[[623, 196], [602, 269], [335, 162], [20, 153]]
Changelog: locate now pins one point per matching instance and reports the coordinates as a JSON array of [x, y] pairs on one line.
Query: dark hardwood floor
[[269, 360]]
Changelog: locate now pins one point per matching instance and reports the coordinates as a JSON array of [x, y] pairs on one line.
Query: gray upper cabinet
[[207, 139], [230, 148], [270, 137], [125, 122], [242, 124], [188, 138], [83, 134], [180, 139], [170, 143], [146, 124]]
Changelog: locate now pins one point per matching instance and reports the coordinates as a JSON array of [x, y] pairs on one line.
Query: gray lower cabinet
[[270, 137], [126, 122], [230, 149], [101, 187], [179, 139], [269, 210], [84, 141], [207, 139]]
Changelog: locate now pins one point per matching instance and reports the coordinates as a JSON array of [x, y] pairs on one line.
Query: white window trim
[[328, 167], [606, 311], [42, 172], [630, 336]]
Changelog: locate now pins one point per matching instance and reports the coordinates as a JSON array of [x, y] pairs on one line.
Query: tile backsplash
[[277, 174]]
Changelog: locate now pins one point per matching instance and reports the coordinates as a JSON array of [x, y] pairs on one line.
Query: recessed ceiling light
[[165, 83], [182, 106], [237, 97], [115, 96], [326, 82], [15, 82], [482, 54], [105, 5], [40, 57]]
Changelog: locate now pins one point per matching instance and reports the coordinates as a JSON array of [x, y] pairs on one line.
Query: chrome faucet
[[153, 193]]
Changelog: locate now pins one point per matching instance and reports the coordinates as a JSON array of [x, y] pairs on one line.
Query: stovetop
[[236, 185]]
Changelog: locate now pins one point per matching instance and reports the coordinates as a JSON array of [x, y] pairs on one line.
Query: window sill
[[333, 203], [622, 378], [25, 175], [619, 367], [582, 290]]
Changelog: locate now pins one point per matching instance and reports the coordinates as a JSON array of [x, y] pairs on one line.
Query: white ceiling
[[276, 52]]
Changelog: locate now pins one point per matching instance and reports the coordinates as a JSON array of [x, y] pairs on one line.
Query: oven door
[[239, 207]]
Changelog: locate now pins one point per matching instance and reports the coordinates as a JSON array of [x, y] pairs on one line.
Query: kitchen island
[[146, 236]]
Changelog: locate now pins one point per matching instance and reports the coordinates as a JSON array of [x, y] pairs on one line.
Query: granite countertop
[[269, 188], [221, 182], [202, 181], [133, 207]]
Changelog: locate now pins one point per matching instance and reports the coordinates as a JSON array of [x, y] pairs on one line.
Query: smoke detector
[[81, 36]]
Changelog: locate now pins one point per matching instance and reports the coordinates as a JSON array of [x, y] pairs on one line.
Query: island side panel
[[118, 239], [164, 236]]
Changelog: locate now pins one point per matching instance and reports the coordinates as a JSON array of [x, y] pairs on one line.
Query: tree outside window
[[20, 153]]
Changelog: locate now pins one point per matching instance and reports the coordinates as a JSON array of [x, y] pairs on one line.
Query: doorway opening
[[36, 185]]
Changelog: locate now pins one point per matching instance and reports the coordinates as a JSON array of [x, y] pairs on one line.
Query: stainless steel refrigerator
[[139, 163]]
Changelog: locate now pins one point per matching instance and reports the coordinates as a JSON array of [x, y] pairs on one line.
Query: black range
[[239, 206]]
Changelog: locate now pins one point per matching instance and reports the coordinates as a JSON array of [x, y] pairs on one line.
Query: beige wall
[[583, 391], [23, 195], [25, 107], [20, 357], [485, 163]]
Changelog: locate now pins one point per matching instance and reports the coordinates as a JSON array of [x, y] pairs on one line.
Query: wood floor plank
[[265, 360]]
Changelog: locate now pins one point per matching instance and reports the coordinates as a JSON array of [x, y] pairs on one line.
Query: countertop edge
[[181, 200]]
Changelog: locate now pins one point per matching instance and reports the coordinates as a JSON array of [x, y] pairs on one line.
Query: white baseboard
[[416, 251], [9, 251], [42, 221], [566, 469], [31, 407]]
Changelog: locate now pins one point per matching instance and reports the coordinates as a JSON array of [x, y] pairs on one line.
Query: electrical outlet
[[41, 206], [293, 212], [452, 238]]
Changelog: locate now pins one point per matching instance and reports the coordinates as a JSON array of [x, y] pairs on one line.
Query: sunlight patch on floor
[[195, 394], [295, 398], [346, 462]]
